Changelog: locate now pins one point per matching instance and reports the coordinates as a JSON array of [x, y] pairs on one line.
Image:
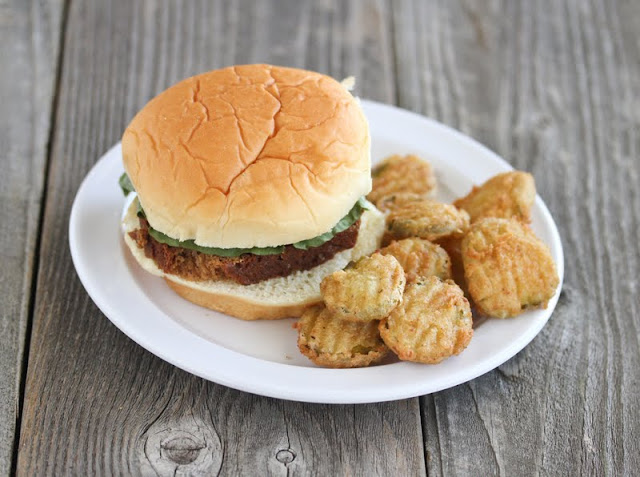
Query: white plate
[[262, 357]]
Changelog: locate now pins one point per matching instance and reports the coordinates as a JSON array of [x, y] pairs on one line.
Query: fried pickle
[[507, 268], [389, 202], [367, 290], [426, 219], [432, 323], [329, 341], [453, 247], [402, 174], [420, 258], [507, 195]]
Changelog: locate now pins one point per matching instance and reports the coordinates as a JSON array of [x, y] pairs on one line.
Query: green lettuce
[[125, 184], [343, 224], [221, 252]]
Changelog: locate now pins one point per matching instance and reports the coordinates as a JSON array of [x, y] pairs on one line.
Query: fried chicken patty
[[245, 269]]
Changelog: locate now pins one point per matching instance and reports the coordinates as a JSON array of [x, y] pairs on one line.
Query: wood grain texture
[[552, 86], [28, 53], [98, 404]]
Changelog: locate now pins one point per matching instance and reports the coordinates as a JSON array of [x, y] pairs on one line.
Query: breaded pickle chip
[[507, 195], [420, 258], [427, 219], [507, 268], [453, 247], [329, 341], [432, 323], [392, 201], [367, 290], [402, 174]]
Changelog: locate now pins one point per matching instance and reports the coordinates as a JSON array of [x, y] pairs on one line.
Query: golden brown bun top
[[249, 156]]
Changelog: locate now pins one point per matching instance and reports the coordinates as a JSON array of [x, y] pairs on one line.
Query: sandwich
[[249, 186]]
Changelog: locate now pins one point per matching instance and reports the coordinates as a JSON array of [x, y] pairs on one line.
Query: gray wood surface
[[552, 86], [113, 407], [29, 34]]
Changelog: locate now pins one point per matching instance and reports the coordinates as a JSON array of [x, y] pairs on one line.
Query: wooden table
[[552, 86]]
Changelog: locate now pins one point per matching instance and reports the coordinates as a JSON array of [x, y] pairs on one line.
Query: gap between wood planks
[[49, 169], [397, 101], [24, 364]]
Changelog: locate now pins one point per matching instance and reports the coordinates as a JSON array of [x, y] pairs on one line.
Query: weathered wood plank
[[96, 403], [552, 87], [28, 56]]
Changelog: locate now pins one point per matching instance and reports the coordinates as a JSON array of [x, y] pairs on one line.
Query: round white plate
[[262, 357]]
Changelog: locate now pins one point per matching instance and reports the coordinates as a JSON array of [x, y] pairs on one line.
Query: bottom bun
[[239, 306], [280, 297]]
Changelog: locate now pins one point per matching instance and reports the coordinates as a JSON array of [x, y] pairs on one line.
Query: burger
[[249, 187]]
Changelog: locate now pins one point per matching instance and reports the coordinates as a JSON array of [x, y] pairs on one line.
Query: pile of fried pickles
[[439, 262]]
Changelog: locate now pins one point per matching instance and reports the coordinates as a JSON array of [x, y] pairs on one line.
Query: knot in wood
[[285, 456], [181, 450], [187, 445]]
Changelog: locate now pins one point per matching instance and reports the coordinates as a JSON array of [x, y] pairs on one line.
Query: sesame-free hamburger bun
[[248, 158]]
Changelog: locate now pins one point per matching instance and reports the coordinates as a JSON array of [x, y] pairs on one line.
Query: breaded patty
[[245, 269]]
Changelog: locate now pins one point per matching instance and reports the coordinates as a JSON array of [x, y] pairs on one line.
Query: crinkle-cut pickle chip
[[427, 219], [366, 290], [507, 268], [390, 202], [331, 342], [420, 258], [402, 174], [507, 195], [432, 323]]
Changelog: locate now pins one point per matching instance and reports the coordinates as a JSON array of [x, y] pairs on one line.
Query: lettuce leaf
[[343, 224], [125, 184], [221, 252]]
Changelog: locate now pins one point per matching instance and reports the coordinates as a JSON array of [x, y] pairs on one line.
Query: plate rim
[[330, 396]]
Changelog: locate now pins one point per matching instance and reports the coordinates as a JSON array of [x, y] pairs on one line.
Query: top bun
[[249, 156]]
